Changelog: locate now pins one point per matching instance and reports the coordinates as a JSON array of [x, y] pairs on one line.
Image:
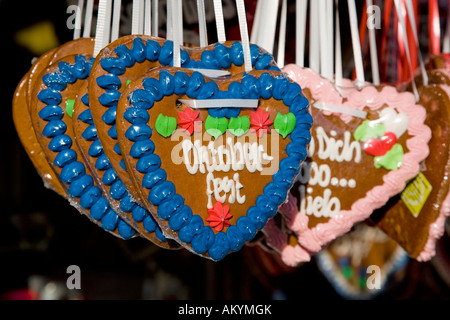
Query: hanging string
[[148, 18], [373, 50], [78, 16], [155, 27], [397, 4], [103, 26], [282, 35], [256, 22], [220, 22], [137, 20], [314, 44], [356, 44], [169, 18], [446, 41], [244, 34], [325, 50], [116, 20], [338, 51], [203, 35], [177, 23], [300, 12], [88, 18]]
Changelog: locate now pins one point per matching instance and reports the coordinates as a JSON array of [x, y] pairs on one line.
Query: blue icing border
[[162, 193], [74, 172], [110, 177], [220, 57]]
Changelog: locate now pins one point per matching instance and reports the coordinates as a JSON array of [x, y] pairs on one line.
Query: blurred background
[[41, 234]]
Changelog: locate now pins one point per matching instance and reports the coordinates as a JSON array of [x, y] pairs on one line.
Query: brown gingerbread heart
[[212, 209]]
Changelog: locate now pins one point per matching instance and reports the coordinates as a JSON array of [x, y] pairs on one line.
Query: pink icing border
[[278, 240], [436, 229], [395, 181]]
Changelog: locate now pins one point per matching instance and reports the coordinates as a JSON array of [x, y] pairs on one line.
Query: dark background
[[41, 234]]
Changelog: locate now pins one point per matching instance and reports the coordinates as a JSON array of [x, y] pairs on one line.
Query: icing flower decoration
[[260, 122], [219, 216], [190, 121]]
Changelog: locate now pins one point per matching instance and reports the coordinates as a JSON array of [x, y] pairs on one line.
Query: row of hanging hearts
[[100, 132], [357, 169]]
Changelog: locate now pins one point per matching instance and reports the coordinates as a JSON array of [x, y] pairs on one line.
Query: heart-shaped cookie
[[416, 217], [341, 184], [51, 117], [106, 178], [22, 107], [212, 190], [129, 57], [360, 264]]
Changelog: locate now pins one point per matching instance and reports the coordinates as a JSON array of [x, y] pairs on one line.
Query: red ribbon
[[434, 27]]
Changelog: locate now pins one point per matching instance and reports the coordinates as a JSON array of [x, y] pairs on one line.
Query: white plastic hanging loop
[[78, 18], [244, 34], [148, 18], [103, 26], [314, 36], [116, 20], [446, 41], [356, 44], [373, 49], [155, 18], [338, 51], [203, 35], [282, 35], [300, 32], [398, 8], [177, 22], [137, 20], [88, 18], [220, 22]]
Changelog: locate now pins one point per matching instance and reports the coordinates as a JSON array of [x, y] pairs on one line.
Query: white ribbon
[[220, 22], [203, 35], [356, 44], [220, 103], [340, 109]]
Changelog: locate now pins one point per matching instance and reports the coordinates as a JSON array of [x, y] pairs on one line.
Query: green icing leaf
[[285, 123], [216, 126], [391, 160], [369, 130], [165, 126], [239, 126], [69, 107]]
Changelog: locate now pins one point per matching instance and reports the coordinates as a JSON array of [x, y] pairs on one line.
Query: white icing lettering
[[224, 158]]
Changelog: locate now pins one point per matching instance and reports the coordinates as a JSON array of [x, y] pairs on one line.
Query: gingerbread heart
[[341, 184], [22, 108], [106, 178], [128, 58], [415, 218], [51, 117], [213, 190], [360, 264]]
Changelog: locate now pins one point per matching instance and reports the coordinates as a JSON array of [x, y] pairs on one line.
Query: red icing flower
[[260, 122], [189, 121], [219, 216]]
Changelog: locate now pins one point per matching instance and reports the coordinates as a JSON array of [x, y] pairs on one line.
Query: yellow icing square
[[416, 194]]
